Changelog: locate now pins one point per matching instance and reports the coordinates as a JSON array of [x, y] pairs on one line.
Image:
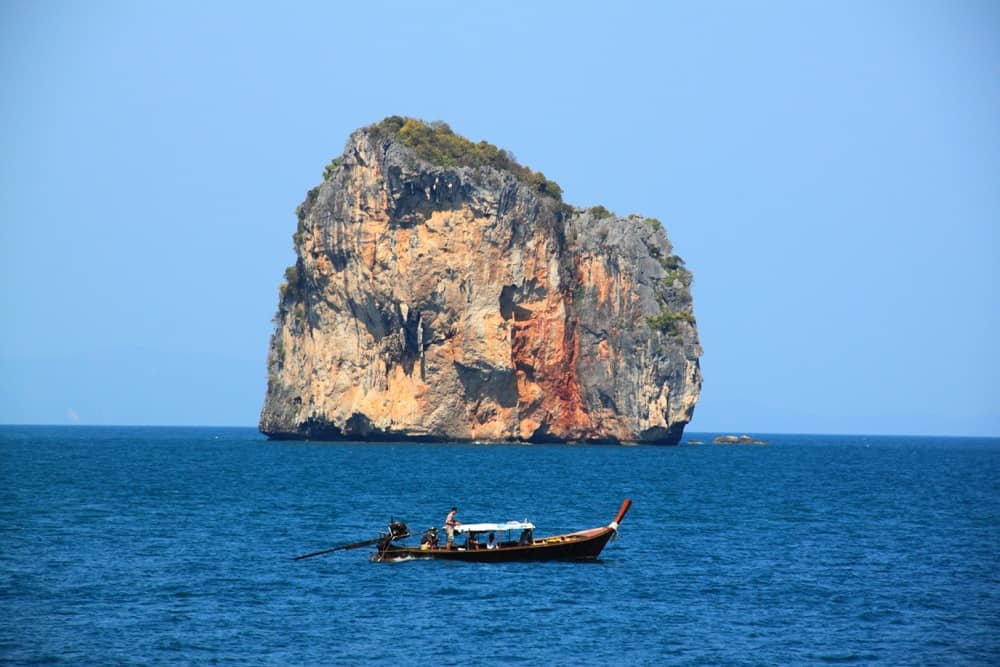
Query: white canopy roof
[[493, 527]]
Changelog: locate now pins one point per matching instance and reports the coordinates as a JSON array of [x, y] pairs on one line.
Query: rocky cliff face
[[431, 301]]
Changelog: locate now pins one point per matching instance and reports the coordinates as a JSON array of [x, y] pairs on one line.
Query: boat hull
[[582, 545]]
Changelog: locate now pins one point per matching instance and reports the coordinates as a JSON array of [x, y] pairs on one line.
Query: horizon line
[[686, 432]]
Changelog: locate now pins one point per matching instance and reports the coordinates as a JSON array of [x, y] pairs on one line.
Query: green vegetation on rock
[[291, 284], [332, 167], [438, 144], [668, 318], [672, 263], [667, 321], [301, 211], [674, 266], [600, 212], [683, 275]]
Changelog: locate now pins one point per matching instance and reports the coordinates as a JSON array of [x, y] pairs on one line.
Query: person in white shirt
[[449, 525]]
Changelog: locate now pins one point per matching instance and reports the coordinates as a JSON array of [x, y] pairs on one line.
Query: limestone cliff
[[442, 291]]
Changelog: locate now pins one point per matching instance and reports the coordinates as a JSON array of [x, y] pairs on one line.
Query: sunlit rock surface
[[461, 303]]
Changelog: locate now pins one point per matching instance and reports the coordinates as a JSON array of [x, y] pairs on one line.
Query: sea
[[175, 546]]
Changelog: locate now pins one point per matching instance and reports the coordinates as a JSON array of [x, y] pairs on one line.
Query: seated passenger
[[492, 542], [525, 538]]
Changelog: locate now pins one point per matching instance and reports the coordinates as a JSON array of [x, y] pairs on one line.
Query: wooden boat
[[512, 541]]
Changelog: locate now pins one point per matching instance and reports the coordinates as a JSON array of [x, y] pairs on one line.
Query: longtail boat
[[489, 543], [504, 542]]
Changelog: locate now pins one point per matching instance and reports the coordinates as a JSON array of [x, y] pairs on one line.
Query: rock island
[[442, 291]]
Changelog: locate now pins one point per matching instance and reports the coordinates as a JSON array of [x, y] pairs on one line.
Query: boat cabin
[[493, 535]]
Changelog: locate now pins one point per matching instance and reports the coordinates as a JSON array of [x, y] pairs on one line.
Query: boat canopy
[[493, 527]]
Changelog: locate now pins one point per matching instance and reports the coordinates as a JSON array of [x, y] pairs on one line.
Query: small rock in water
[[737, 440]]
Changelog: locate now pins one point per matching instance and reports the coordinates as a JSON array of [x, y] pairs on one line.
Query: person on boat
[[526, 537], [430, 539], [492, 542], [449, 525]]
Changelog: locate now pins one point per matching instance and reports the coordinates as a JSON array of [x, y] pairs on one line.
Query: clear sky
[[829, 170]]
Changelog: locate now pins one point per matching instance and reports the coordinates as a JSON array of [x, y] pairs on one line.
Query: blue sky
[[830, 172]]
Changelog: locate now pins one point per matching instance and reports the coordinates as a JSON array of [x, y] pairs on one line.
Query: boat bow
[[626, 504]]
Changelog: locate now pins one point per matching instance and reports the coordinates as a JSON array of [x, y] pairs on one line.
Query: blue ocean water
[[173, 546]]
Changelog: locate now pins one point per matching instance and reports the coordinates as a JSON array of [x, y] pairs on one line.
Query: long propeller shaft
[[342, 547]]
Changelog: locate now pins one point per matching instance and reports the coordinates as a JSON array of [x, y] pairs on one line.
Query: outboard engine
[[397, 530]]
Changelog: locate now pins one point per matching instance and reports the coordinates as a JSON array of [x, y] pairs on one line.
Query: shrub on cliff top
[[438, 144], [600, 212]]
